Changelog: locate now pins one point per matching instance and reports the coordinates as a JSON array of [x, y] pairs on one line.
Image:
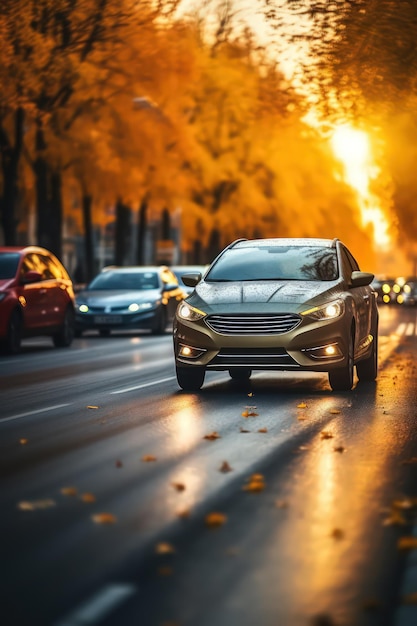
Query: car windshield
[[8, 264], [125, 281], [275, 263]]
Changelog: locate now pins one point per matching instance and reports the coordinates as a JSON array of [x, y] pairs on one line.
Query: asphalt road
[[126, 502]]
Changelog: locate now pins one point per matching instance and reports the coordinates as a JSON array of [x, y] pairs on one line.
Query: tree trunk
[[141, 233], [87, 271], [43, 234], [122, 233], [56, 212], [10, 157]]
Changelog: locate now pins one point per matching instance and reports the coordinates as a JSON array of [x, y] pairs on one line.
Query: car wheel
[[367, 369], [64, 337], [238, 373], [341, 379], [161, 325], [14, 333], [190, 378]]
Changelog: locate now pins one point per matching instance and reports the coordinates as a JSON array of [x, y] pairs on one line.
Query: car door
[[362, 297], [33, 295]]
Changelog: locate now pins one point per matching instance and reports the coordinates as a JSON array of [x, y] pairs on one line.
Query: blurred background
[[159, 131]]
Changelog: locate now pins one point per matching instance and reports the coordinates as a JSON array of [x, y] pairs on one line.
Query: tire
[[63, 338], [341, 379], [161, 325], [190, 378], [14, 333], [237, 373], [367, 370]]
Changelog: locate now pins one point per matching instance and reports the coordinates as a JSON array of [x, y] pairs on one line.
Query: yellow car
[[278, 304]]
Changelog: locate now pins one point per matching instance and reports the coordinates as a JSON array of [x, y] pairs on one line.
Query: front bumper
[[313, 346], [116, 321]]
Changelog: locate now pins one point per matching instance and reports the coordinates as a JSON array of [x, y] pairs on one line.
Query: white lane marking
[[401, 329], [46, 408], [104, 601], [155, 382], [410, 329]]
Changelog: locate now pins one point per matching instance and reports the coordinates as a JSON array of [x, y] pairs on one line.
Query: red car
[[36, 297]]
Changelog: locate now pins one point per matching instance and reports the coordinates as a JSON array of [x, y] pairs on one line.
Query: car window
[[9, 262], [275, 263], [349, 264], [125, 281]]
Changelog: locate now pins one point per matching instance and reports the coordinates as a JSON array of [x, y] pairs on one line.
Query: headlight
[[328, 311], [187, 312], [83, 308], [143, 306]]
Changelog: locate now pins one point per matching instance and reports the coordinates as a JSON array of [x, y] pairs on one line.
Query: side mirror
[[191, 280], [361, 279], [32, 277], [170, 287]]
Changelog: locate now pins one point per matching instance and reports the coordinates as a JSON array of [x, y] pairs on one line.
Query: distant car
[[179, 270], [279, 304], [389, 290], [124, 298], [36, 297], [409, 292]]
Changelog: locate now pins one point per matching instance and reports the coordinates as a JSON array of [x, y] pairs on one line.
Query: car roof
[[24, 249], [285, 241]]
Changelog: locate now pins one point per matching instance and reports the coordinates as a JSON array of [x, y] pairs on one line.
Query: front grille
[[253, 357], [253, 324]]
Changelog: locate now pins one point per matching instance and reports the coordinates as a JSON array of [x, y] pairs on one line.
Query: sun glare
[[351, 147]]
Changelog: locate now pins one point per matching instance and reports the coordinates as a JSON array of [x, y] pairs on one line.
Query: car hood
[[272, 295], [116, 297]]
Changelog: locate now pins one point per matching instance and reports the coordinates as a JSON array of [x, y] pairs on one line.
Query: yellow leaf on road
[[302, 405], [88, 497], [212, 436], [148, 458], [164, 548], [225, 467], [215, 519], [178, 486], [104, 518], [325, 434], [92, 406], [69, 491]]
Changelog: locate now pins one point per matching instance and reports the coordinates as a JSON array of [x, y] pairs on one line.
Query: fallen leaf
[[104, 518], [92, 406], [164, 548], [302, 405], [255, 483], [281, 504], [410, 598], [46, 503], [263, 430], [325, 434], [225, 467], [244, 430], [405, 503], [394, 519], [245, 413], [337, 533], [212, 436], [339, 449], [178, 486], [148, 458], [23, 441], [215, 519], [301, 418], [165, 570], [119, 464], [69, 491], [407, 543], [250, 394], [87, 497], [334, 411]]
